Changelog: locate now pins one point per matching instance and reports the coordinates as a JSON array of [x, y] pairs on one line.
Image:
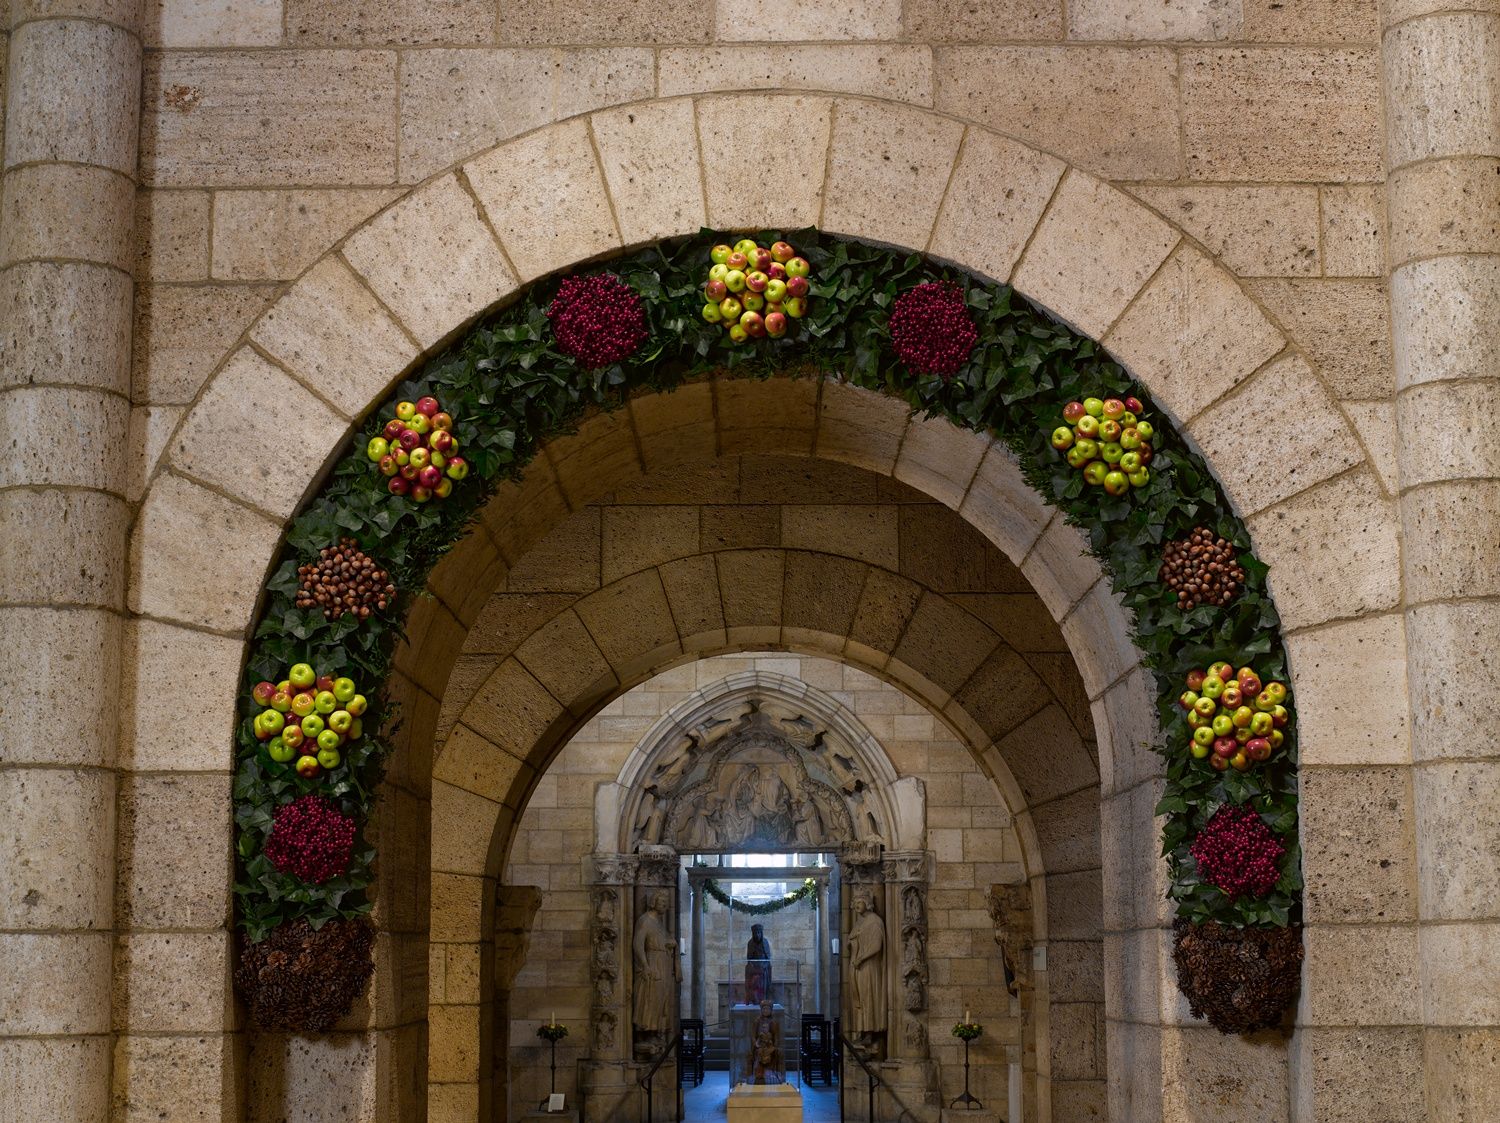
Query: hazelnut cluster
[[1237, 853], [1240, 979], [311, 839], [1201, 569], [303, 981], [344, 579], [597, 320], [931, 329]]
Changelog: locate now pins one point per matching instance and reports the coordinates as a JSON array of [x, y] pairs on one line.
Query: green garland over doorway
[[507, 386], [806, 891]]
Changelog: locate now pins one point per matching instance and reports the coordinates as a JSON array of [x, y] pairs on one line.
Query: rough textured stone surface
[[1314, 576], [1193, 335], [212, 23], [1444, 641], [203, 666], [57, 847], [55, 983], [64, 437], [1446, 432], [1463, 1073], [191, 891], [1002, 506], [1257, 231], [1448, 539], [964, 21], [1091, 254], [1360, 975], [218, 442], [92, 522], [69, 212], [65, 323], [1343, 326], [56, 1078], [175, 982], [171, 232], [1444, 207], [46, 655], [1283, 114], [1243, 1076], [1460, 828], [1445, 319], [1312, 21], [1356, 824], [998, 192], [63, 99], [830, 19], [396, 23], [202, 545], [1353, 231], [1174, 20], [454, 103], [546, 198], [657, 188], [247, 119], [272, 235], [1440, 87], [336, 335], [1286, 399], [887, 171], [182, 332], [1060, 568], [1365, 1075], [728, 127], [940, 459], [432, 260], [1110, 110], [887, 70], [1339, 726], [156, 1076], [547, 23], [1455, 978]]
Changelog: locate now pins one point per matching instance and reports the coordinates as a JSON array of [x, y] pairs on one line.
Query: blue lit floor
[[707, 1101]]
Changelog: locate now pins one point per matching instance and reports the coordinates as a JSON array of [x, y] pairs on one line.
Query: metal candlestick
[[967, 1100]]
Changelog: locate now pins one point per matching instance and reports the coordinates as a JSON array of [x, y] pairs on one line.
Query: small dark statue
[[757, 966], [765, 1051]]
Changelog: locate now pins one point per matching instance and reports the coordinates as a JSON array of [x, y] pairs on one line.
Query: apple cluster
[[1107, 439], [308, 718], [417, 451], [1236, 721], [756, 292]]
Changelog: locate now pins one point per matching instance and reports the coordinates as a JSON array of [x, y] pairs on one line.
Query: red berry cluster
[[311, 839], [597, 320], [931, 329], [1237, 853]]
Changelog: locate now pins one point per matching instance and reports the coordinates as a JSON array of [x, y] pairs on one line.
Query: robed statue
[[866, 964], [757, 966], [766, 1065], [655, 959]]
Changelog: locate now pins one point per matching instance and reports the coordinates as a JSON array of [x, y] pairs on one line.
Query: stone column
[[1442, 89], [66, 250], [912, 1072], [605, 1079], [696, 904]]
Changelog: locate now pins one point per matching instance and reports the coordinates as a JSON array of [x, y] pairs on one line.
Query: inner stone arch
[[971, 907], [840, 785]]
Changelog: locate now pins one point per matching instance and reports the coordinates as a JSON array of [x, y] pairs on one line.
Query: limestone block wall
[[970, 832]]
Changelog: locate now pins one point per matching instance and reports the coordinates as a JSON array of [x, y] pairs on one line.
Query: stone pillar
[[606, 1075], [696, 904], [1442, 90], [912, 1072], [66, 251], [820, 962]]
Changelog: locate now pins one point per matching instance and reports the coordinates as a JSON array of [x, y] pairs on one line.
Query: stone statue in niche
[[757, 965], [916, 1036], [766, 1064], [866, 944], [604, 1031], [655, 959]]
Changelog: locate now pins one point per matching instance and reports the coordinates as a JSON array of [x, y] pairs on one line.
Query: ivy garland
[[807, 889], [509, 389]]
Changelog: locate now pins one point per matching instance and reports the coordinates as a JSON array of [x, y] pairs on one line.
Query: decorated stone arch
[[464, 241]]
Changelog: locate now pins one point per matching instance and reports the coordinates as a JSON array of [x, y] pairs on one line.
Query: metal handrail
[[849, 1048], [645, 1081]]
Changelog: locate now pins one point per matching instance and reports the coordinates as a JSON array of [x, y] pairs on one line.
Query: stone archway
[[335, 340]]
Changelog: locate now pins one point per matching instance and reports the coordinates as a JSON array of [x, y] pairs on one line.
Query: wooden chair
[[816, 1050]]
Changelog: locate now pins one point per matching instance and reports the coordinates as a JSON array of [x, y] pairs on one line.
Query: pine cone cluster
[[1240, 979], [344, 579], [303, 981], [1201, 569]]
